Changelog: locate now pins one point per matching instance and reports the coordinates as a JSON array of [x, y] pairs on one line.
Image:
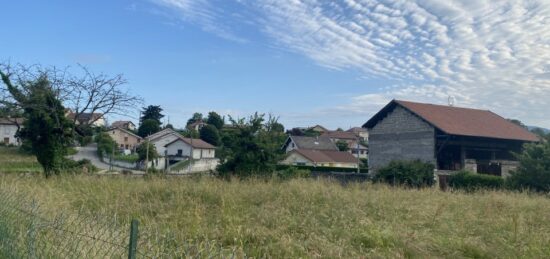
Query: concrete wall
[[7, 132], [197, 166], [400, 136]]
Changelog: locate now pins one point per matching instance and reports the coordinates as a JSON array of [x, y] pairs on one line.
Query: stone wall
[[401, 135]]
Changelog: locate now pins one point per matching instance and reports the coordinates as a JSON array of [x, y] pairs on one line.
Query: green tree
[[152, 112], [196, 117], [46, 127], [534, 168], [215, 120], [251, 147], [169, 126], [210, 134], [148, 127], [142, 151], [105, 144], [342, 145]]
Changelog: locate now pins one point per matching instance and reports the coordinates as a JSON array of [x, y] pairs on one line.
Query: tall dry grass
[[310, 218]]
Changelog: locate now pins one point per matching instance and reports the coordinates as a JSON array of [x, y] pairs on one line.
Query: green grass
[[14, 161], [180, 165], [310, 218]]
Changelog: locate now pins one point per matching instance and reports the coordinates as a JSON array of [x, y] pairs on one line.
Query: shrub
[[408, 173], [533, 172], [469, 181], [105, 144], [292, 172]]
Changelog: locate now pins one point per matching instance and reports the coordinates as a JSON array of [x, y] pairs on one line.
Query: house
[[451, 138], [124, 125], [325, 158], [124, 138], [362, 133], [93, 119], [356, 148], [8, 130], [318, 128], [197, 125], [302, 142], [161, 138], [188, 147]]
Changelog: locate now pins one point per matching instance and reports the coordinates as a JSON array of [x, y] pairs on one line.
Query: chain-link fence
[[26, 233]]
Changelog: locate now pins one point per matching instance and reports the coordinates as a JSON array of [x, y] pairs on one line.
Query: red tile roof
[[335, 134], [461, 121], [326, 156]]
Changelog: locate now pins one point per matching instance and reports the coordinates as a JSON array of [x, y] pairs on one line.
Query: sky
[[333, 63]]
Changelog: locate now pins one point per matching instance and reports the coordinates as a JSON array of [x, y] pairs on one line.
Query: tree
[[534, 168], [151, 112], [46, 128], [196, 117], [169, 126], [148, 127], [342, 145], [142, 151], [251, 148], [215, 120], [83, 92], [210, 134], [518, 122]]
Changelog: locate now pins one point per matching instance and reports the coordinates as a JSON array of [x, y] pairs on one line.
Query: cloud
[[487, 54]]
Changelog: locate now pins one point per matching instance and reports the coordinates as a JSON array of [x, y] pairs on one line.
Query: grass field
[[310, 218], [11, 160]]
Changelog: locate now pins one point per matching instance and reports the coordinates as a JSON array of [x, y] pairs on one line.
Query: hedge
[[407, 173], [470, 181]]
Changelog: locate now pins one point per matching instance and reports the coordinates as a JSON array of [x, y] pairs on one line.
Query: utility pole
[[358, 159], [147, 156]]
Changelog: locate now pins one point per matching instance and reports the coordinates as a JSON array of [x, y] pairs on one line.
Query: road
[[90, 152]]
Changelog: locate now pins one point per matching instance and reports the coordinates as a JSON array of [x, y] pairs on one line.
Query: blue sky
[[309, 62]]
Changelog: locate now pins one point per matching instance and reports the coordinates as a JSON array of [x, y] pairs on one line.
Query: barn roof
[[459, 121]]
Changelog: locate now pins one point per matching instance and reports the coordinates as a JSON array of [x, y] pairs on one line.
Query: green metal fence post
[[132, 246]]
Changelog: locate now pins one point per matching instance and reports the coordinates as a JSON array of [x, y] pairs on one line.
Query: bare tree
[[82, 93]]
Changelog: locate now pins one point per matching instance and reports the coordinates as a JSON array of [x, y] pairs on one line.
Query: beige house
[[326, 158], [124, 125], [86, 118], [124, 138]]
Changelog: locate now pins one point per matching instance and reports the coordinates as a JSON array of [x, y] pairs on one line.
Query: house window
[[6, 140], [292, 145], [300, 163], [139, 140], [121, 145], [126, 146], [125, 139], [180, 152]]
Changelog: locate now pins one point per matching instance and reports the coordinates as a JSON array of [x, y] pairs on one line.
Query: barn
[[451, 138]]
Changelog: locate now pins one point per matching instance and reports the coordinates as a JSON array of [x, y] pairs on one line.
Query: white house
[[161, 138], [8, 129], [187, 147]]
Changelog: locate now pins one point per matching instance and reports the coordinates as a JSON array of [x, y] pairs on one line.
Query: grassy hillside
[[309, 218], [11, 160]]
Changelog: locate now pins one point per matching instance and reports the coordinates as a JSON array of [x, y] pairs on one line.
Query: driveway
[[90, 152]]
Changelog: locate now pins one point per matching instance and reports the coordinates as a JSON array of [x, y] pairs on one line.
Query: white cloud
[[488, 54]]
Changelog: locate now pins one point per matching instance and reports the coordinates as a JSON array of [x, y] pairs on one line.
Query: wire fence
[[26, 233]]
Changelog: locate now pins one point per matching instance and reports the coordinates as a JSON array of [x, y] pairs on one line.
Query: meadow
[[14, 161], [308, 217]]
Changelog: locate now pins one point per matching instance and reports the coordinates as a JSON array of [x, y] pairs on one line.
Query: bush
[[407, 173], [292, 172], [105, 144], [469, 181], [533, 172]]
